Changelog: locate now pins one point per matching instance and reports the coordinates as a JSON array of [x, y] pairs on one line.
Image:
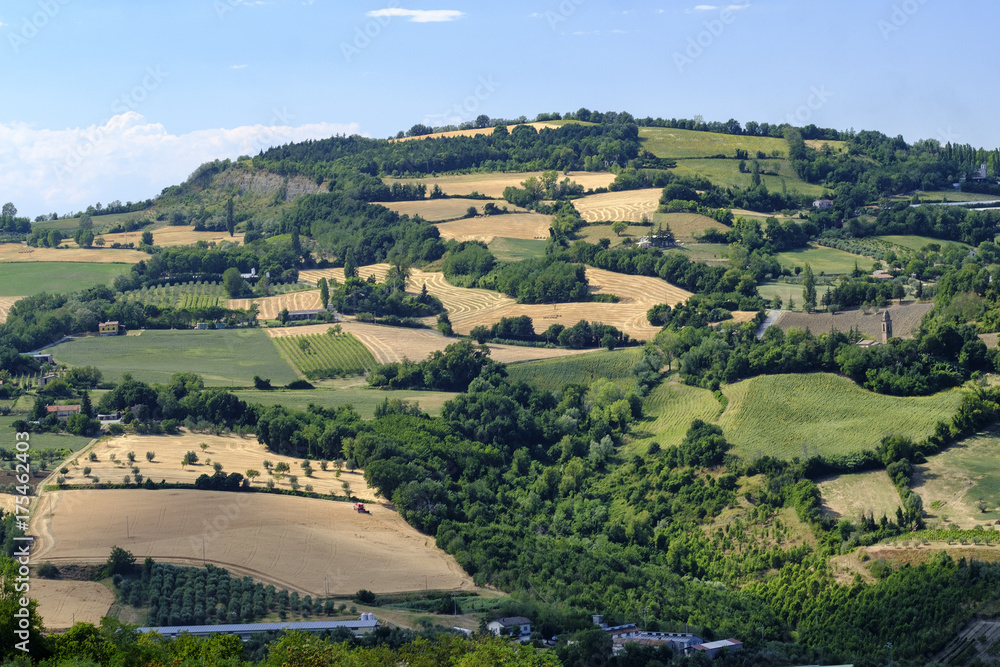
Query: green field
[[226, 357], [710, 253], [321, 356], [785, 291], [670, 408], [824, 260], [39, 440], [27, 278], [726, 173], [101, 222], [669, 142], [918, 242], [554, 374], [364, 399], [788, 415], [514, 250]]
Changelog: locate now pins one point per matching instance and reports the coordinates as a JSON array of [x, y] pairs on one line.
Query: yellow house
[[108, 328]]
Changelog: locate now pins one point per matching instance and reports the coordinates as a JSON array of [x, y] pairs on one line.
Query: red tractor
[[360, 508]]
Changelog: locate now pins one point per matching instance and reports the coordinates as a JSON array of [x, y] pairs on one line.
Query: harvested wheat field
[[270, 306], [235, 453], [905, 320], [435, 210], [629, 205], [847, 496], [301, 544], [473, 132], [12, 252], [63, 603], [530, 226], [7, 502], [5, 303], [492, 185], [390, 344], [172, 236], [469, 308]]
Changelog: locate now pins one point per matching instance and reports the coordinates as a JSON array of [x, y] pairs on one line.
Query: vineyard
[[813, 414], [322, 355], [671, 407], [186, 295], [554, 374]]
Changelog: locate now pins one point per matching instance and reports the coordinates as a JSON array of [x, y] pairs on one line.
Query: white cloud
[[714, 8], [418, 15], [128, 158], [237, 67]]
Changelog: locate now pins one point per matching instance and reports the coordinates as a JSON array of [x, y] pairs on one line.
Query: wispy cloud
[[128, 158], [418, 15], [237, 67], [716, 8]]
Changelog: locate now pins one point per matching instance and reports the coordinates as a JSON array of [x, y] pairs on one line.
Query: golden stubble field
[[485, 228], [469, 308], [474, 132], [171, 236], [63, 603], [297, 543], [5, 303], [235, 453], [628, 205], [391, 344], [270, 306], [493, 184], [435, 210], [13, 252]]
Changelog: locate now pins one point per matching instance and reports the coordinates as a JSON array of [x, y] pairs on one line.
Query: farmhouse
[[511, 626], [63, 411], [249, 276], [621, 635], [823, 204], [45, 379], [108, 328], [43, 358], [712, 649], [365, 625]]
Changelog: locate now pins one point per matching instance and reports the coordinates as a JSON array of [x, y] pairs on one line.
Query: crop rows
[[585, 369], [322, 355], [187, 295]]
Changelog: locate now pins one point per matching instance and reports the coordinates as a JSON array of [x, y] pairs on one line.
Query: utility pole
[[126, 526], [203, 553], [888, 645]]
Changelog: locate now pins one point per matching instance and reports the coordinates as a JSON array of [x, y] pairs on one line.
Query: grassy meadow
[[710, 253], [514, 250], [824, 260], [40, 440], [912, 242], [671, 142], [364, 399], [952, 482], [819, 413], [28, 278], [554, 374], [226, 357], [786, 291]]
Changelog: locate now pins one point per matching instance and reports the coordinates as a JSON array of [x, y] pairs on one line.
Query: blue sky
[[111, 100]]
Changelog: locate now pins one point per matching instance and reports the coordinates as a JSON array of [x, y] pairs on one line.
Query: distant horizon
[[229, 77]]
